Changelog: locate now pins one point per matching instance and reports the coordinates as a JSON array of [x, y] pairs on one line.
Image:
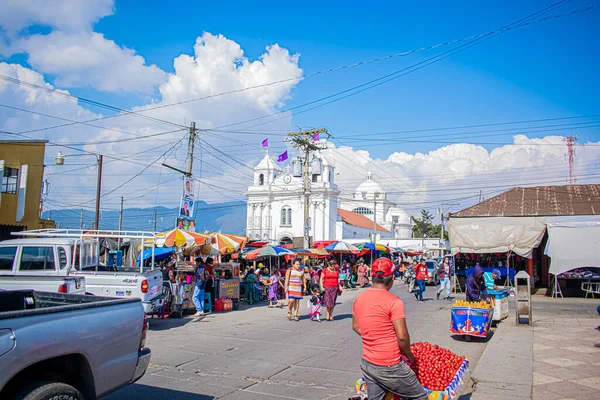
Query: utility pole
[[98, 189], [304, 142], [81, 220], [480, 193], [374, 238], [189, 161], [154, 220], [121, 215]]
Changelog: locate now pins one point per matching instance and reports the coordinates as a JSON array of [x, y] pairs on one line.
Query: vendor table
[[500, 304]]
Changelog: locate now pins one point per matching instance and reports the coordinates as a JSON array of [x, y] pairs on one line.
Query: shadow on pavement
[[157, 324], [144, 392], [466, 396], [464, 338], [341, 317]]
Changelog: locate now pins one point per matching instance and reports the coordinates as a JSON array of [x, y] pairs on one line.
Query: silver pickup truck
[[63, 346]]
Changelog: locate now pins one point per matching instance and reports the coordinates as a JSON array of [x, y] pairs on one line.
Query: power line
[[399, 73], [373, 60]]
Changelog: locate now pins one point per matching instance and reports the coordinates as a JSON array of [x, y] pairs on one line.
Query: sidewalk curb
[[505, 368]]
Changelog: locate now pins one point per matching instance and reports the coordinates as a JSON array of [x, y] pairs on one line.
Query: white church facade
[[276, 207]]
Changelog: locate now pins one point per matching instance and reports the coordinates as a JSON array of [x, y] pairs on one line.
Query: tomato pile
[[435, 366]]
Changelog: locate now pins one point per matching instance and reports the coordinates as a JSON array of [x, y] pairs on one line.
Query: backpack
[[202, 276]]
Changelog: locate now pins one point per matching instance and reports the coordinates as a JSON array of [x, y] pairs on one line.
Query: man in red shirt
[[378, 317], [422, 276]]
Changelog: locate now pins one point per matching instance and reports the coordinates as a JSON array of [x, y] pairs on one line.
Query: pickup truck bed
[[92, 344]]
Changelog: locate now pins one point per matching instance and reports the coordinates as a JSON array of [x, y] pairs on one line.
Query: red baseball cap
[[383, 267]]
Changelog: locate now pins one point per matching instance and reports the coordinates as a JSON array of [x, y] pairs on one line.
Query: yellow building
[[22, 171]]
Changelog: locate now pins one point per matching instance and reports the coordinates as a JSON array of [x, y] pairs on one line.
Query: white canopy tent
[[573, 242], [496, 234]]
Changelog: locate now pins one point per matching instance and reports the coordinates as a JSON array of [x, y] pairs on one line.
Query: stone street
[[256, 353]]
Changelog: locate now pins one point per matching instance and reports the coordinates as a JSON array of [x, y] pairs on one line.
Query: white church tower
[[276, 203]]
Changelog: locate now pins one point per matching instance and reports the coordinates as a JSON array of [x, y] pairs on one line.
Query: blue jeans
[[199, 299], [421, 290], [444, 282]]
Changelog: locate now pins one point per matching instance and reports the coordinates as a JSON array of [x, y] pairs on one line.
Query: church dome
[[369, 186]]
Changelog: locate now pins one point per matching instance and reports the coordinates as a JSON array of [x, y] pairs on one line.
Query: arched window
[[286, 216], [261, 180], [363, 211], [285, 240]]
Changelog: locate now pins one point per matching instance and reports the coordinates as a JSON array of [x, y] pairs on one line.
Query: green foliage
[[424, 226]]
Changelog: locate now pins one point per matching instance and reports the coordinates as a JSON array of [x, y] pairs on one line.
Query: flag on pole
[[282, 157], [265, 143], [316, 137]]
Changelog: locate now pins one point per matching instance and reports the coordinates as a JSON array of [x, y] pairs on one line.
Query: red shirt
[[330, 279], [374, 310], [422, 272]]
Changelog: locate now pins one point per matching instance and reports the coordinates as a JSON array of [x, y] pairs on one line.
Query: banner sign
[[22, 192], [186, 224], [186, 208], [471, 321], [188, 188]]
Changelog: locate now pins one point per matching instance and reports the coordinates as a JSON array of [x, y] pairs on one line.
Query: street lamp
[[60, 160]]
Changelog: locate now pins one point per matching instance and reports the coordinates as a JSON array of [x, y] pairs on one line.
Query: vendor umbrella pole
[[508, 281]]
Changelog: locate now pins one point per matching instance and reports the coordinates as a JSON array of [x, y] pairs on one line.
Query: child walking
[[315, 309], [275, 282]]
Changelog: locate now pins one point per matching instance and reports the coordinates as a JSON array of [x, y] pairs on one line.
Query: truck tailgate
[[124, 284], [155, 284]]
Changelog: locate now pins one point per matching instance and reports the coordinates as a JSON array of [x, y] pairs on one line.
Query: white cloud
[[72, 52], [89, 59], [68, 15], [217, 65], [457, 172]]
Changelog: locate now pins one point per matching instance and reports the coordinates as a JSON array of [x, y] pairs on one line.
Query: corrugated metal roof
[[538, 201], [359, 220]]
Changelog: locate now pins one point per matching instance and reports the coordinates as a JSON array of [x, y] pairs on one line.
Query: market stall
[[572, 246], [252, 291], [182, 289]]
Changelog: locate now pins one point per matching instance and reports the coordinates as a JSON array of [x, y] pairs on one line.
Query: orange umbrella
[[226, 243], [178, 237]]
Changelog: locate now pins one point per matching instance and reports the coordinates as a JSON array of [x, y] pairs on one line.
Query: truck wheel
[[50, 391]]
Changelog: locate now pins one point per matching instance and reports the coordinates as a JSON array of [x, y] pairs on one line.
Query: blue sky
[[541, 71]]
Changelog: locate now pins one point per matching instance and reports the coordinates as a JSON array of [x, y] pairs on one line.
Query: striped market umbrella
[[226, 243], [342, 247], [268, 251], [179, 237], [372, 246]]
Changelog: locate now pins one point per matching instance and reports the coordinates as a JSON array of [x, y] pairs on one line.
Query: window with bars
[[10, 180]]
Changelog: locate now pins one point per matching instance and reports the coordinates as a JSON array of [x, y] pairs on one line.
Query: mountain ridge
[[227, 217]]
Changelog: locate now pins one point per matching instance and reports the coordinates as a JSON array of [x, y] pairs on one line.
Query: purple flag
[[316, 137], [282, 157], [265, 143]]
